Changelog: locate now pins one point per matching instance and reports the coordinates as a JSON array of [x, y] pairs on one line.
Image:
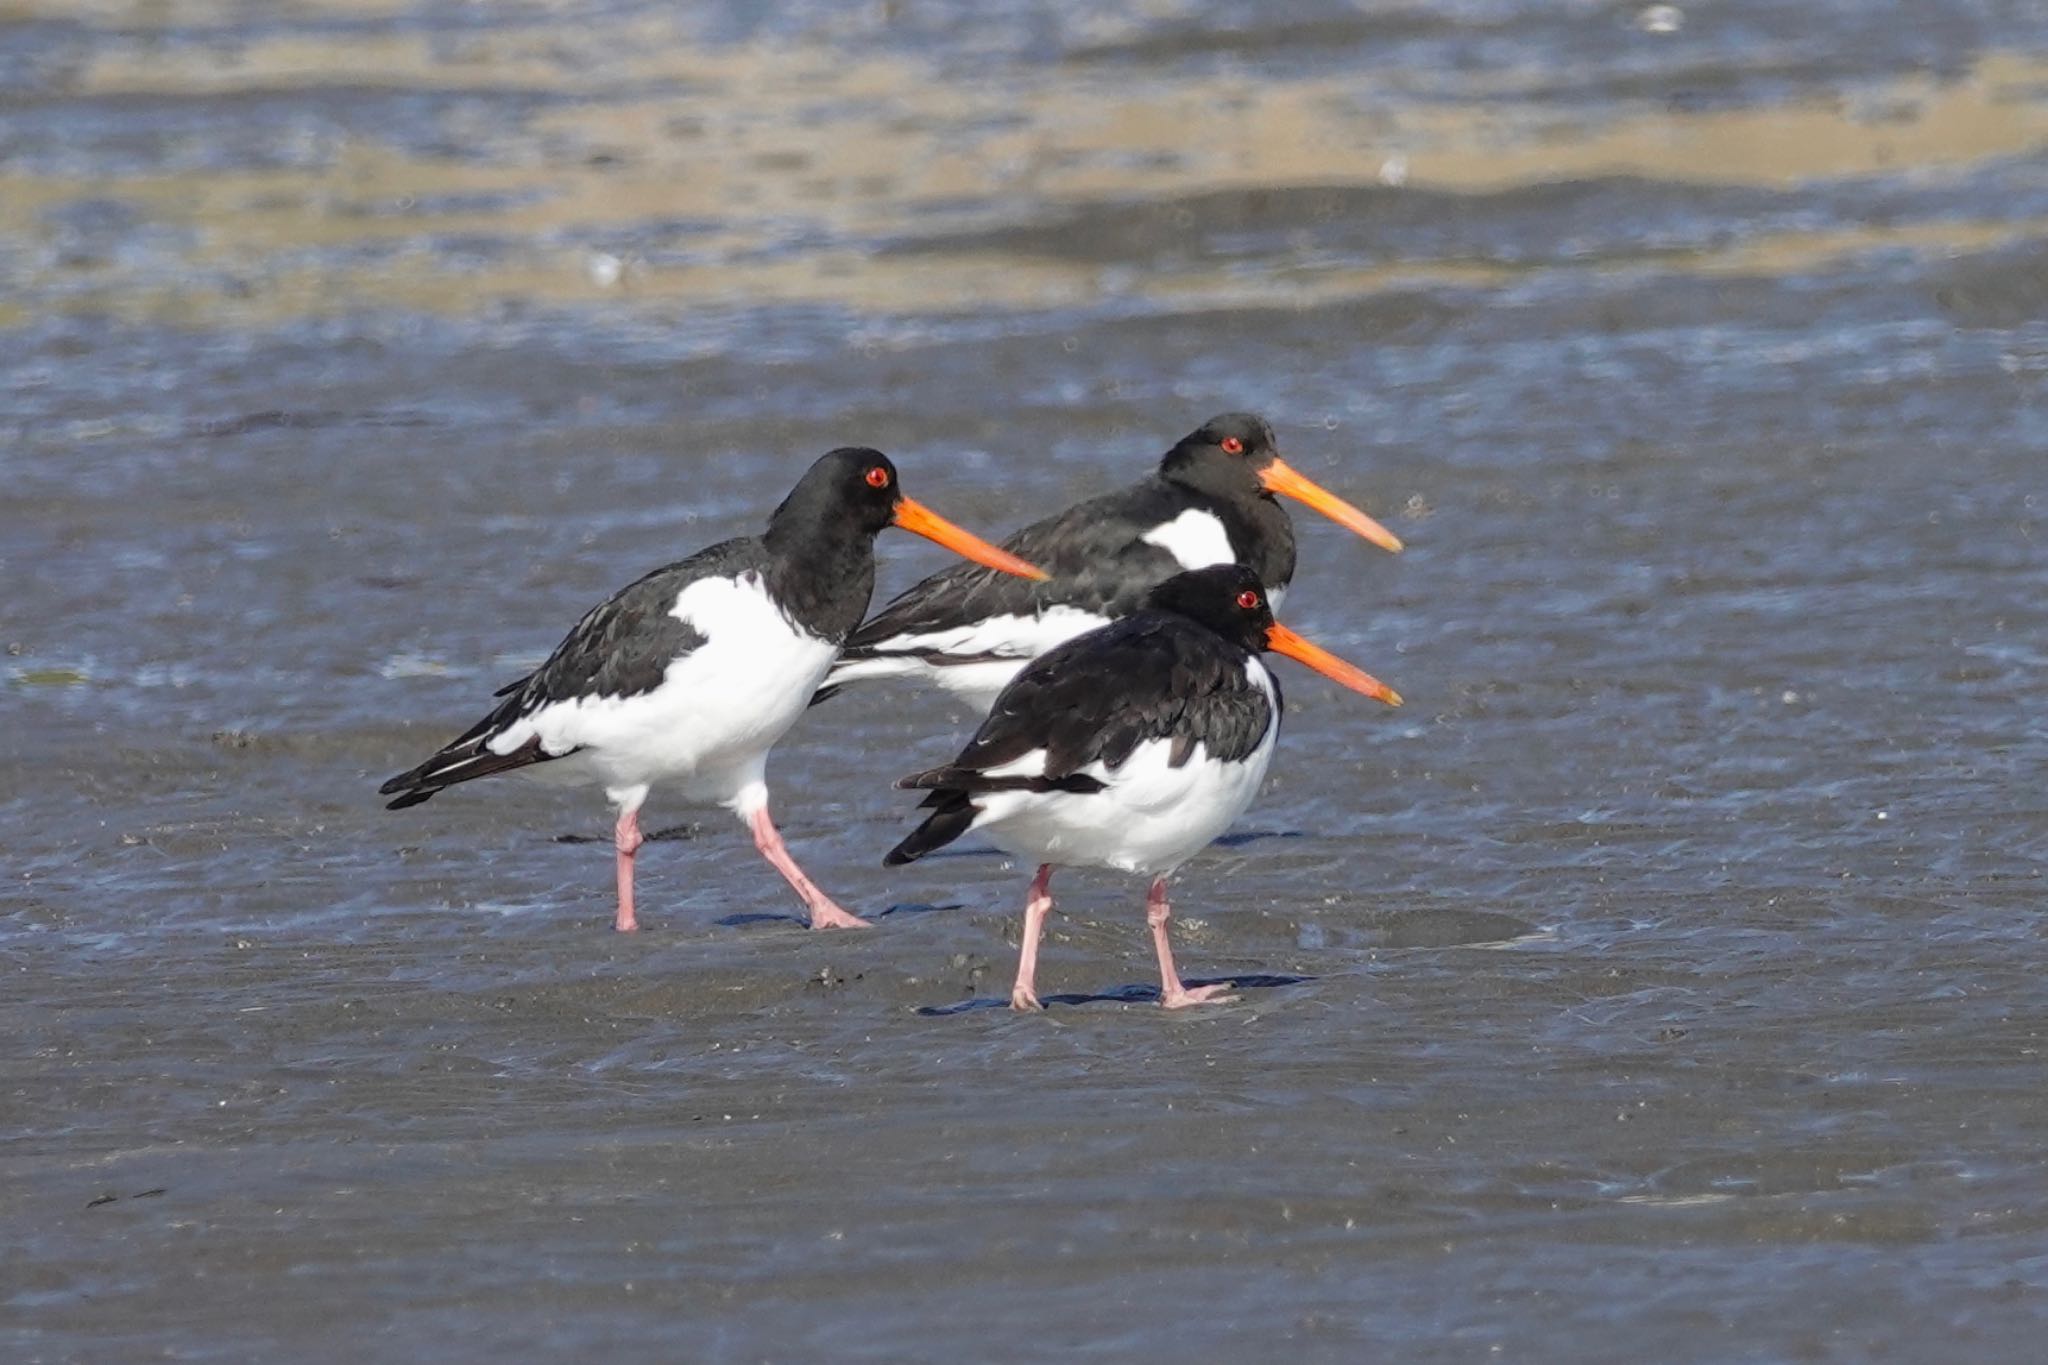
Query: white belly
[[707, 728], [1151, 817]]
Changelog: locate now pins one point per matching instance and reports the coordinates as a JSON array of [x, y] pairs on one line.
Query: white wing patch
[[1021, 637], [977, 684], [1002, 646], [1030, 765], [1195, 538]]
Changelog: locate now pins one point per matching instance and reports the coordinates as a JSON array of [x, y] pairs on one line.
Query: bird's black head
[[1230, 600], [1235, 456], [1224, 455], [852, 488], [852, 492], [1227, 598]]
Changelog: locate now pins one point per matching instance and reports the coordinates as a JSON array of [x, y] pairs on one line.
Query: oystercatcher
[[1211, 501], [1130, 747], [691, 674]]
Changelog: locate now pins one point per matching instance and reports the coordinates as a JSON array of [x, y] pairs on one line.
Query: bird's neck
[[823, 576]]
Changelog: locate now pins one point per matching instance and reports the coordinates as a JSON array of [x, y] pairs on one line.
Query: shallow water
[[1660, 983]]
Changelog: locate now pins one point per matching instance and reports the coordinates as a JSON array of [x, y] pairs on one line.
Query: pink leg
[[626, 838], [825, 912], [1024, 995], [1172, 994]]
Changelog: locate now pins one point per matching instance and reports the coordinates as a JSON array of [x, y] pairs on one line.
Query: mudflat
[[1662, 982]]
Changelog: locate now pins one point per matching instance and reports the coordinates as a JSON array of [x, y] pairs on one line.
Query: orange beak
[[1281, 640], [916, 517], [1279, 477]]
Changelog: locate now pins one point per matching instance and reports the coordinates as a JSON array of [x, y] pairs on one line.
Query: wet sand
[[1662, 982]]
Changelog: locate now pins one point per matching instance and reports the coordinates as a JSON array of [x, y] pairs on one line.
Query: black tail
[[953, 818], [459, 762], [827, 693]]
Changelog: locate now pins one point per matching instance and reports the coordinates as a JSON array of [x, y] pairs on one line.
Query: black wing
[[1093, 552], [621, 648], [1096, 698]]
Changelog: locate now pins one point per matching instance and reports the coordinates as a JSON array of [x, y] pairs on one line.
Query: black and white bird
[[689, 676], [1131, 747], [1211, 501]]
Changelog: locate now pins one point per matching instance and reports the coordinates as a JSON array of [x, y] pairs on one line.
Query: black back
[[1095, 551]]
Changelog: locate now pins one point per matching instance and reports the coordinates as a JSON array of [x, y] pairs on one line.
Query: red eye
[[878, 477], [1232, 446], [1247, 599]]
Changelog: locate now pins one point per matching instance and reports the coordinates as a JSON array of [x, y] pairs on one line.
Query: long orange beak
[[1281, 640], [1279, 477], [914, 516]]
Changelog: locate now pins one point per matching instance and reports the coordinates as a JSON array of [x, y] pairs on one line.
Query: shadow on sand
[[671, 832], [765, 917], [1236, 840], [1122, 995]]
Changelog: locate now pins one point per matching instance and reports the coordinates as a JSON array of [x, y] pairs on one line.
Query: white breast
[[717, 712], [1195, 538]]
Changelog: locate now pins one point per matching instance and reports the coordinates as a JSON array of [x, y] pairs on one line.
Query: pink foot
[[1196, 995], [829, 915], [1024, 1000], [1172, 994], [826, 913]]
